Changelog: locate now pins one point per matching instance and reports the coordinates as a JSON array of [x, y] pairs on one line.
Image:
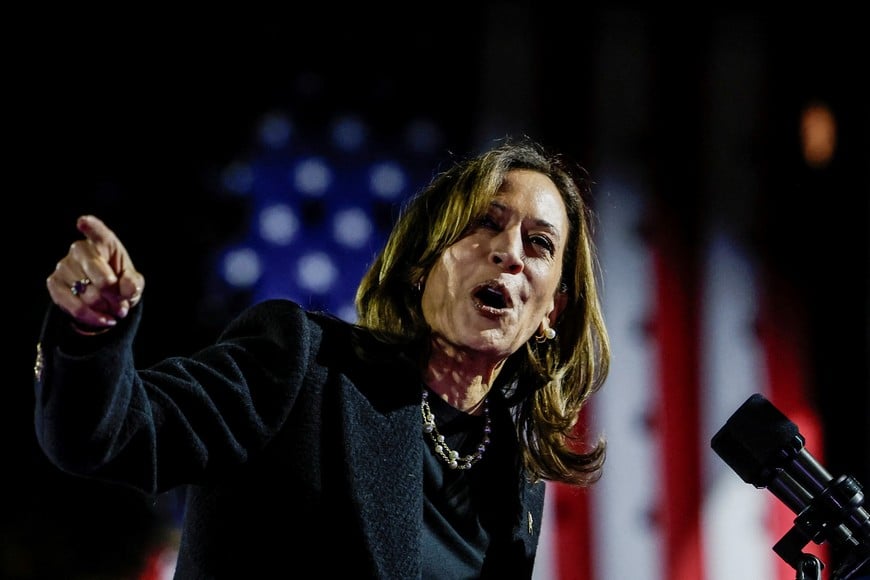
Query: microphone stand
[[809, 568], [834, 515]]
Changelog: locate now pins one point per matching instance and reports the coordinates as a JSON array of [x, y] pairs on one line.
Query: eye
[[487, 222], [543, 242]]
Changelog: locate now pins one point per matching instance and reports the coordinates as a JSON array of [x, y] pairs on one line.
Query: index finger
[[94, 229], [106, 243]]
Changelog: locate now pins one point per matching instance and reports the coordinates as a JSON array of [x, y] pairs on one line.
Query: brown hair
[[548, 383]]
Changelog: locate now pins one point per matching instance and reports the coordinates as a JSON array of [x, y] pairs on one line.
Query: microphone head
[[757, 441]]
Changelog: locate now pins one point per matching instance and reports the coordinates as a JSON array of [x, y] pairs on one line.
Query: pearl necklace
[[449, 456]]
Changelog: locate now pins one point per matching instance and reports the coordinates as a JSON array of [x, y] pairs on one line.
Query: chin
[[492, 343]]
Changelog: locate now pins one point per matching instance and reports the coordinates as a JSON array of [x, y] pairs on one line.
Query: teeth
[[492, 297]]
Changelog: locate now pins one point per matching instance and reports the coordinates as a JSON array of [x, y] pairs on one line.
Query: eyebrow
[[541, 223]]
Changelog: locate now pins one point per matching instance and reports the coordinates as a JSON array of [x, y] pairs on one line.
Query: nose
[[507, 251]]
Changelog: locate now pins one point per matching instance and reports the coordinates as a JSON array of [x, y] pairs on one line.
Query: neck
[[460, 377]]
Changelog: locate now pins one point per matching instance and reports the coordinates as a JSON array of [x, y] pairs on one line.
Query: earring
[[545, 334]]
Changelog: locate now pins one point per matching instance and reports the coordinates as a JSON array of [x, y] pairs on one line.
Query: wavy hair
[[547, 384]]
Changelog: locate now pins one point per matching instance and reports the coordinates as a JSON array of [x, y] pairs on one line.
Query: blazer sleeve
[[183, 419]]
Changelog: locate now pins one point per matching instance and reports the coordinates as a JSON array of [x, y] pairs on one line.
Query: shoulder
[[285, 320], [276, 316]]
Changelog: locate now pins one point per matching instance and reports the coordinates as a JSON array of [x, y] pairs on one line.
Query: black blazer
[[292, 445]]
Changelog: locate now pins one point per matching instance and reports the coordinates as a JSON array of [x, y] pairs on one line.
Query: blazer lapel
[[385, 473]]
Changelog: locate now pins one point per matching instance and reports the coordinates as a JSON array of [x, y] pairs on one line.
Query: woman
[[412, 444]]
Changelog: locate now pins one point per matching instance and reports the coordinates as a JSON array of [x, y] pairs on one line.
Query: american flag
[[690, 345]]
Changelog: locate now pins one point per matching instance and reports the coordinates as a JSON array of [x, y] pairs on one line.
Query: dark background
[[131, 117]]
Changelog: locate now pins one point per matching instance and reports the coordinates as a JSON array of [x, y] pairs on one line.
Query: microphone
[[767, 450]]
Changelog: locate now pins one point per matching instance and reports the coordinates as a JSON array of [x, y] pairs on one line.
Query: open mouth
[[493, 297]]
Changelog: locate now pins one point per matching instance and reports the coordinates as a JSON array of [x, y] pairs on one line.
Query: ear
[[560, 301]]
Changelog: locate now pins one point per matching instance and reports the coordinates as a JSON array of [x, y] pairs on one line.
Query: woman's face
[[492, 289]]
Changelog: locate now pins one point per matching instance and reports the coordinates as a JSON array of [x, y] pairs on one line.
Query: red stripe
[[573, 556], [573, 544], [676, 332], [782, 331]]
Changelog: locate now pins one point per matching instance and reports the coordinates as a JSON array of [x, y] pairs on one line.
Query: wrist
[[88, 330]]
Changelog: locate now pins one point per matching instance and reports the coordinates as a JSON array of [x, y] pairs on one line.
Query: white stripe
[[624, 542], [736, 540], [737, 543]]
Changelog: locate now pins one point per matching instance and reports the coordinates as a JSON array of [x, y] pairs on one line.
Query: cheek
[[445, 272], [443, 283], [546, 284], [546, 277], [435, 289]]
